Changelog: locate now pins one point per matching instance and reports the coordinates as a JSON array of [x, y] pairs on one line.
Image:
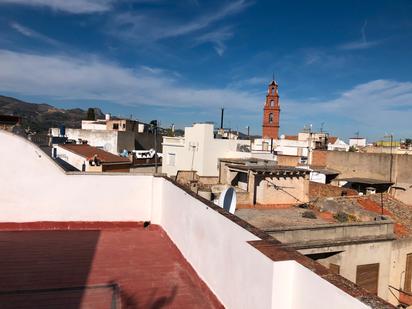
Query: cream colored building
[[199, 150], [110, 124]]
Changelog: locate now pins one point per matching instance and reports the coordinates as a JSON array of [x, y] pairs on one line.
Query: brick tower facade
[[271, 111]]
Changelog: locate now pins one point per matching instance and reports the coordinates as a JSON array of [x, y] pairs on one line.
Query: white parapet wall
[[239, 274], [33, 188]]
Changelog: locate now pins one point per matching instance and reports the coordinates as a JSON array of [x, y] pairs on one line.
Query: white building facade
[[109, 140], [199, 150], [357, 142]]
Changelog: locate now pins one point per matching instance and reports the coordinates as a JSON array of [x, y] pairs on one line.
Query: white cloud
[[68, 6], [33, 34], [69, 78], [373, 107]]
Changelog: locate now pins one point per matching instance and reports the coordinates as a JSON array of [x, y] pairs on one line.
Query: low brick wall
[[322, 190], [319, 158]]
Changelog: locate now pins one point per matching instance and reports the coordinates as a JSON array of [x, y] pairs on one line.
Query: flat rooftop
[[268, 169], [367, 181], [133, 267], [266, 219]]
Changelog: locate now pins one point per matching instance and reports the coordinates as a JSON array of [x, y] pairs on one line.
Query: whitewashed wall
[[238, 274], [218, 250], [200, 147], [34, 188]]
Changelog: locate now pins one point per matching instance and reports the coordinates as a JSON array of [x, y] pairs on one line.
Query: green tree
[[90, 114]]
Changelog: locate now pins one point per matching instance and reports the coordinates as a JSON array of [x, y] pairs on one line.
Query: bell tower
[[271, 111]]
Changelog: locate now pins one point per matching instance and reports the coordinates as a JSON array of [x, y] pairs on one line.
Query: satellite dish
[[107, 147], [227, 200]]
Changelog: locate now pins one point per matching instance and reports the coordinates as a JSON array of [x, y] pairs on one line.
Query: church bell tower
[[271, 111]]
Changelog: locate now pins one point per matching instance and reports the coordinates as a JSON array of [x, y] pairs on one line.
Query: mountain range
[[40, 117]]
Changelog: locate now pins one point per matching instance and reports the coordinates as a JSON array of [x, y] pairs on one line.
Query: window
[[115, 126], [273, 90], [334, 268], [271, 118], [367, 276], [408, 273], [171, 159], [124, 125], [272, 103]]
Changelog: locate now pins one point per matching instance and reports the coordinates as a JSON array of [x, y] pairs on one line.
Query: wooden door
[[408, 273], [334, 268], [367, 276]]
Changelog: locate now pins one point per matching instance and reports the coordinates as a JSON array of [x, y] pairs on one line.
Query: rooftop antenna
[[273, 76], [321, 127]]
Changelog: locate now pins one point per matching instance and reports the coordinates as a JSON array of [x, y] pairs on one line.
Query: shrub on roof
[[309, 214], [341, 216]]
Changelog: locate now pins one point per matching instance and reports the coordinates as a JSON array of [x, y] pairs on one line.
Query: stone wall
[[381, 166], [284, 160]]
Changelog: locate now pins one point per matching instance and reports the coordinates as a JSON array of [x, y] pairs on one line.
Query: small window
[[272, 103], [271, 118], [124, 126], [273, 90], [171, 159], [115, 126]]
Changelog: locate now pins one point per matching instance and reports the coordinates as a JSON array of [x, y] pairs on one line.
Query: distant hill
[[40, 117]]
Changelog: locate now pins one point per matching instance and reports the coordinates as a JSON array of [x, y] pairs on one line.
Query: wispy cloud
[[152, 27], [68, 6], [89, 78], [249, 82], [217, 38], [363, 43], [320, 57], [33, 34]]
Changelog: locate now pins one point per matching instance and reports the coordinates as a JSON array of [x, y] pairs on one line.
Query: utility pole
[[154, 124], [193, 148], [390, 175], [391, 155], [221, 118]]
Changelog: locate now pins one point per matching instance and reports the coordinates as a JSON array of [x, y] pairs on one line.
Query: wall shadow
[[47, 269]]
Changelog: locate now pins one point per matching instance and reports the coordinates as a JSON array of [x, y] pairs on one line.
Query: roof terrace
[[193, 253], [117, 265]]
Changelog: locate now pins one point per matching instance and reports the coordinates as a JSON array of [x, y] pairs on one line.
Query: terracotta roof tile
[[291, 137], [332, 139], [88, 152]]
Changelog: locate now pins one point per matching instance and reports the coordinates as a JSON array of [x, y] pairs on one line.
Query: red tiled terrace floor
[[147, 266]]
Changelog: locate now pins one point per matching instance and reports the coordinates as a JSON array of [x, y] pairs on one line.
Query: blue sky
[[346, 64]]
